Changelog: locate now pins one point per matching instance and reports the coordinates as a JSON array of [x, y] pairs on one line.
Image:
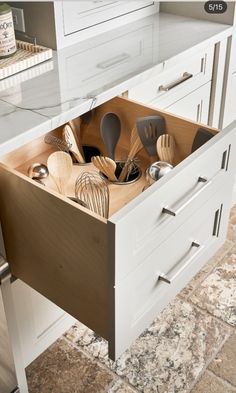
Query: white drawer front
[[143, 228], [142, 295], [174, 84], [128, 52], [79, 15], [194, 106]]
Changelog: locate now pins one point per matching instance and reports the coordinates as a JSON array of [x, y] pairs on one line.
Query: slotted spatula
[[149, 129]]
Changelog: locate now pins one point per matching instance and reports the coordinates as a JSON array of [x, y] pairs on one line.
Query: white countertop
[[32, 105]]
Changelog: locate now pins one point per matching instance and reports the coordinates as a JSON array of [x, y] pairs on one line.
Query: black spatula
[[149, 129], [202, 136]]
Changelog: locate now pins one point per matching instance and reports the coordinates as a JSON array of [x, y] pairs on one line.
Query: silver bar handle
[[184, 77], [165, 277], [114, 61], [172, 212]]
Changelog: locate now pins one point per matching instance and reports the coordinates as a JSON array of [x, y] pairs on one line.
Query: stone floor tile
[[217, 293], [233, 211], [224, 364], [120, 387], [199, 277], [209, 383], [64, 369], [231, 234], [168, 356]]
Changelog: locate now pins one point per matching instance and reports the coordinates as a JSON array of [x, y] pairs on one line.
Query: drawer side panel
[[57, 249]]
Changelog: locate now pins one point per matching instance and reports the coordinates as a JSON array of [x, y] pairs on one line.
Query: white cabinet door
[[230, 107], [40, 322], [79, 15], [194, 106]]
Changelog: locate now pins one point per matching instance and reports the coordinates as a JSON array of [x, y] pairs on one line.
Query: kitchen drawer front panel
[[128, 52], [142, 226], [170, 86], [142, 295], [194, 106], [84, 14]]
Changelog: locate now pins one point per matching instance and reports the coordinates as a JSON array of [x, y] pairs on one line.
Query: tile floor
[[190, 347]]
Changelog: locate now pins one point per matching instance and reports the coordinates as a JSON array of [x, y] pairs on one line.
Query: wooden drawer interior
[[37, 151]]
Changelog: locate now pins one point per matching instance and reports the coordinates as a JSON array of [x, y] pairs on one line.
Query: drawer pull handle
[[171, 212], [169, 279], [185, 77], [114, 61]]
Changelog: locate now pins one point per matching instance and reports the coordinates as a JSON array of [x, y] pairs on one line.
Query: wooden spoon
[[135, 146], [69, 137], [60, 169], [105, 165], [166, 148]]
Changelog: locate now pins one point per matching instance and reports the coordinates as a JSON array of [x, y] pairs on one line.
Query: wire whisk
[[58, 142], [92, 189]]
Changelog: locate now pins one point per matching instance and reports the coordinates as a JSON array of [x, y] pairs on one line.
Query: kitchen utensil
[[166, 148], [158, 169], [105, 165], [92, 189], [149, 129], [75, 125], [38, 171], [202, 136], [58, 142], [110, 128], [69, 137], [60, 169], [135, 146]]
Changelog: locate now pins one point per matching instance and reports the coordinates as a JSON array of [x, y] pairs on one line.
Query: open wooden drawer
[[79, 260]]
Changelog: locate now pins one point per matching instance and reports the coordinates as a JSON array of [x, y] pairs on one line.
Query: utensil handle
[[172, 212], [183, 264], [185, 77]]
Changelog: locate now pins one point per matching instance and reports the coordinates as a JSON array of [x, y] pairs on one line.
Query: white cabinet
[[79, 15], [93, 267], [40, 322]]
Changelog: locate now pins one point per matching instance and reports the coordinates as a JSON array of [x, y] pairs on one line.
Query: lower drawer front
[[194, 106], [143, 294], [173, 84]]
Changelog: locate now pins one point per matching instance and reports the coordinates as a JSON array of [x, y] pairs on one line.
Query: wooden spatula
[[135, 146], [75, 125], [166, 148], [60, 169], [105, 165], [69, 137]]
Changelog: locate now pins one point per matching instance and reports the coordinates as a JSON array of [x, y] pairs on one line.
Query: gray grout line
[[226, 383], [205, 368], [208, 274], [103, 366], [226, 324]]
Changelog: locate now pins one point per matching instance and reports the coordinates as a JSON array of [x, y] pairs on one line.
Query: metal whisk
[[92, 189], [59, 143]]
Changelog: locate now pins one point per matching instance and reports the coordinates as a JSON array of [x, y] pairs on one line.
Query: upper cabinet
[[84, 14], [68, 22]]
